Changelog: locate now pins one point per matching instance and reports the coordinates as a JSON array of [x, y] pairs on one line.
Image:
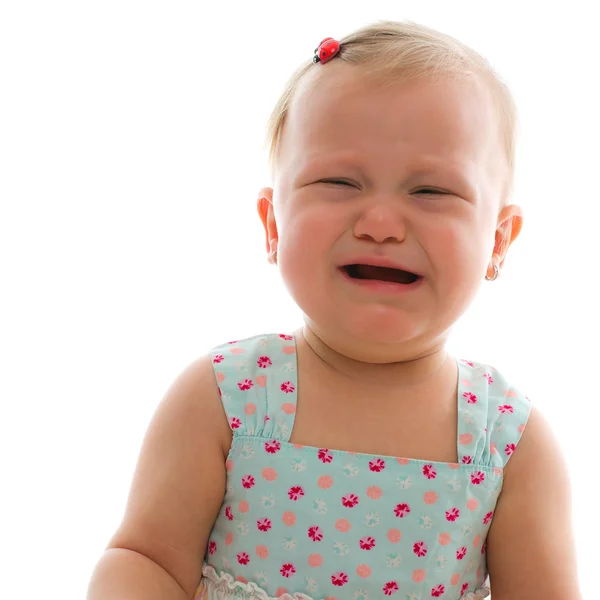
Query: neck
[[404, 368]]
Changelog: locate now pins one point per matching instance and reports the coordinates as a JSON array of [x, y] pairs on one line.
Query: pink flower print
[[245, 385], [437, 591], [247, 481], [391, 587], [420, 549], [218, 358], [243, 558], [296, 492], [234, 342], [324, 455], [452, 514], [468, 362], [263, 362], [287, 387], [339, 579], [285, 337], [471, 397], [461, 553], [467, 460], [263, 524], [488, 518], [464, 588], [212, 547], [477, 477], [367, 543], [235, 423], [489, 378], [350, 501], [483, 547], [287, 570], [315, 533], [229, 513], [510, 448], [506, 408], [377, 465], [401, 510], [429, 472], [272, 446]]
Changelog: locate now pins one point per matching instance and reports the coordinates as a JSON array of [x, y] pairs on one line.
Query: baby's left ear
[[510, 223]]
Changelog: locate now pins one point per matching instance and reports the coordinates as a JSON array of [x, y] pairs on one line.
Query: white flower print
[[404, 482], [242, 528], [261, 579], [289, 543], [453, 484], [441, 561], [341, 548], [226, 398], [242, 367], [226, 563], [425, 522], [468, 418], [267, 501], [311, 584], [467, 529], [298, 465], [320, 506], [470, 566], [282, 429], [351, 470], [412, 597], [229, 488], [393, 559], [372, 519], [247, 451], [250, 430], [288, 367], [360, 595], [499, 427]]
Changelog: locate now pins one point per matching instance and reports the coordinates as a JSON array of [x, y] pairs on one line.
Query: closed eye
[[429, 191], [337, 181]]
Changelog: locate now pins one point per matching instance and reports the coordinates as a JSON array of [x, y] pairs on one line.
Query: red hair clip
[[326, 50]]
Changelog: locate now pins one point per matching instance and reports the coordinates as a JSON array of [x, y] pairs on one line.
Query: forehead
[[343, 109]]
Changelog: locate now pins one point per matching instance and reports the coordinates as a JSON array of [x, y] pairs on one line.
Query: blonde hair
[[394, 52]]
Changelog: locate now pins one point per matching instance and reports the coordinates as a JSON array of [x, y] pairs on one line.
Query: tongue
[[384, 274]]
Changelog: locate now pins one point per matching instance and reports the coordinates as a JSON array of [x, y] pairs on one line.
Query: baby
[[355, 458]]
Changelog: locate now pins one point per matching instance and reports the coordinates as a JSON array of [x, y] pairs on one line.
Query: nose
[[380, 222]]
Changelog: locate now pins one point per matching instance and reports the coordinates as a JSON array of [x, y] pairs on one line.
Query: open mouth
[[370, 272]]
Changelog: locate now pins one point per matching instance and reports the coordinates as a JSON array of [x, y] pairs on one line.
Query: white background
[[130, 157]]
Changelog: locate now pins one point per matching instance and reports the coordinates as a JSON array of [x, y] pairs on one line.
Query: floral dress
[[307, 523]]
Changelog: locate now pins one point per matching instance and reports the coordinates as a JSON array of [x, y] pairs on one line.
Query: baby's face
[[411, 174]]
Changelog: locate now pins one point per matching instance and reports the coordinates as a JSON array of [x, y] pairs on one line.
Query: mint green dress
[[307, 523]]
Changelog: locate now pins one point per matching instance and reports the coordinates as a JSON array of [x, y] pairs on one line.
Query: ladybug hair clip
[[326, 50]]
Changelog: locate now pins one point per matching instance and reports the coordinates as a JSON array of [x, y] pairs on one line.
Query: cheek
[[460, 249], [307, 234]]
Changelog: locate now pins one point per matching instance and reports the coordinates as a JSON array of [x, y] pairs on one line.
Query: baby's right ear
[[267, 216]]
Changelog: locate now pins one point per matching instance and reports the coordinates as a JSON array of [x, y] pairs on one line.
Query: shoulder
[[257, 382], [241, 361], [493, 401]]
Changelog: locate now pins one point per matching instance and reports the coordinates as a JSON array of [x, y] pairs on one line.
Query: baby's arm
[[176, 493], [531, 552]]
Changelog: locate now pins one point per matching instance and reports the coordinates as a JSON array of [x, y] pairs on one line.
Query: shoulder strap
[[492, 415], [257, 379]]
